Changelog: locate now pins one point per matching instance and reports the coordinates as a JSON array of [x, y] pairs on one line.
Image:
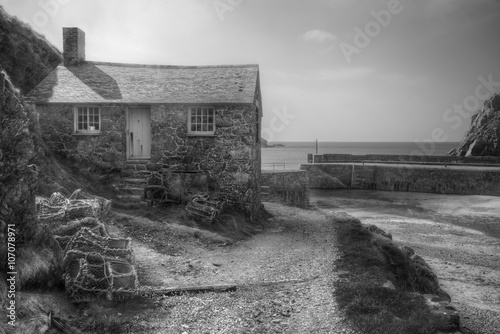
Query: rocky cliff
[[25, 55], [483, 137], [17, 175]]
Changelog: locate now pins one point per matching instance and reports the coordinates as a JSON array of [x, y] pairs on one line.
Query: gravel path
[[285, 276], [458, 236]]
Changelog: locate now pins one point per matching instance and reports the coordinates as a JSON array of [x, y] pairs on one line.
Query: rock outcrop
[[483, 138]]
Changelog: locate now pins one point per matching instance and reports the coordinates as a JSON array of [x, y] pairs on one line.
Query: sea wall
[[326, 158], [442, 179], [287, 186]]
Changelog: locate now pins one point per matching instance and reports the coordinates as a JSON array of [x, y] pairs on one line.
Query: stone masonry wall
[[432, 179], [290, 187], [227, 162], [326, 158], [106, 150]]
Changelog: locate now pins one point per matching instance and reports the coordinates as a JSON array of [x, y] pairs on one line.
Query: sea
[[292, 154]]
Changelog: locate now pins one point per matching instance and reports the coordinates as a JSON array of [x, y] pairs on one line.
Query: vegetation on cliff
[[34, 246], [25, 55], [483, 137], [25, 59]]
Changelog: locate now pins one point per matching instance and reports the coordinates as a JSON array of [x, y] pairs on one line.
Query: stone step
[[130, 198], [133, 173], [138, 167], [130, 190], [135, 180], [137, 162]]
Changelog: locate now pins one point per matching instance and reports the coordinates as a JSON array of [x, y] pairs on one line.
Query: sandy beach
[[459, 236]]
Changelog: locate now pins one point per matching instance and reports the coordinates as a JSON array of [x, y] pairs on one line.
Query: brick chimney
[[73, 46]]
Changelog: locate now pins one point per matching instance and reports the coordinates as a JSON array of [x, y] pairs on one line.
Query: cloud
[[316, 35]]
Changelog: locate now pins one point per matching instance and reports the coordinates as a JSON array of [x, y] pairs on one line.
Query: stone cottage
[[197, 125]]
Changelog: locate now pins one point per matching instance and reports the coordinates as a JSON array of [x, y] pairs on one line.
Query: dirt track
[[284, 275], [459, 236]]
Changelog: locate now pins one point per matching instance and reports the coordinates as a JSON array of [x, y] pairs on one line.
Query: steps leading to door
[[134, 178]]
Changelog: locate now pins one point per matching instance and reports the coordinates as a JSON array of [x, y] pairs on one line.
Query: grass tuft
[[368, 261], [38, 268]]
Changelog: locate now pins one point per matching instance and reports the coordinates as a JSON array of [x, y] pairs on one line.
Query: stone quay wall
[[326, 158], [415, 178], [287, 186]]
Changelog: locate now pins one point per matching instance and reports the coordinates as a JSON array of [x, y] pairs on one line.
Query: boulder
[[483, 137]]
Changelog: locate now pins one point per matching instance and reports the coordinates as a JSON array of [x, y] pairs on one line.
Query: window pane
[[88, 117], [201, 119]]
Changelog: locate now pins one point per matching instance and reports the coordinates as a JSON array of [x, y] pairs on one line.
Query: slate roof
[[96, 82]]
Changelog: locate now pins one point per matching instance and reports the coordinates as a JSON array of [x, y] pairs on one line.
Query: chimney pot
[[73, 46]]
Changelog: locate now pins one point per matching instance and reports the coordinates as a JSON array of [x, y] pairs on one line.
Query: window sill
[[87, 133], [201, 135]]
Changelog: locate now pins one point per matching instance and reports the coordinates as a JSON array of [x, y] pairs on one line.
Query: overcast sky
[[342, 70]]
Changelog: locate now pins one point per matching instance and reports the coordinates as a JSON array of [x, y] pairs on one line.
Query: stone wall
[[106, 150], [326, 158], [228, 161], [415, 178], [290, 187]]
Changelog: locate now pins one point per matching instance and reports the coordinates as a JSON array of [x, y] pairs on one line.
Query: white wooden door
[[139, 133]]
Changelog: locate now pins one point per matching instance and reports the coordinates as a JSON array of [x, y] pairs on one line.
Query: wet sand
[[459, 236]]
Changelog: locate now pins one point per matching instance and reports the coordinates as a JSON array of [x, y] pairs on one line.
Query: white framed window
[[201, 121], [87, 119]]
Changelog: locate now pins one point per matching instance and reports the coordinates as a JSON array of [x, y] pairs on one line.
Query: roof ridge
[[167, 66]]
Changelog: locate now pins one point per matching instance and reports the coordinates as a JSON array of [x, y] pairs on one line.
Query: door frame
[[127, 130]]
